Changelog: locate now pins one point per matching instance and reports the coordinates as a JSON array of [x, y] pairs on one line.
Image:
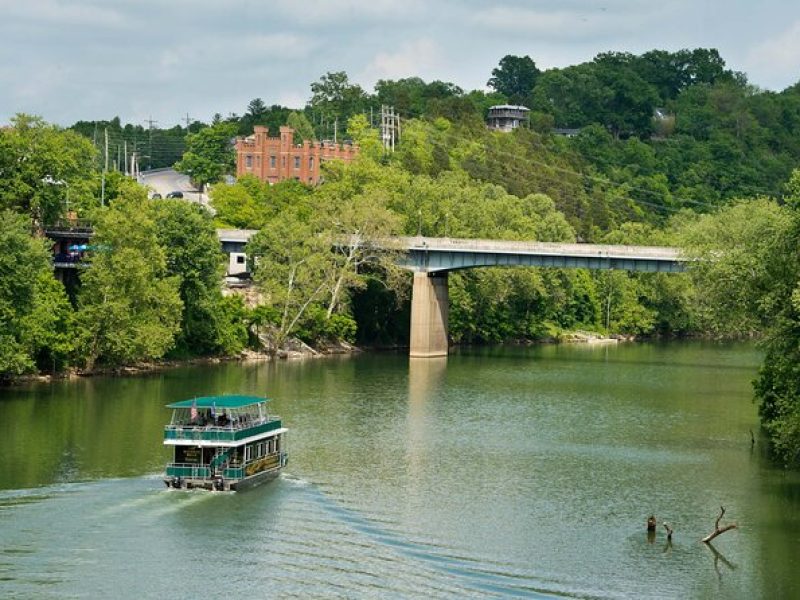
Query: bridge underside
[[451, 261]]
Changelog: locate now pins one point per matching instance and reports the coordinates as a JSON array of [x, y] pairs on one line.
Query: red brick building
[[275, 159]]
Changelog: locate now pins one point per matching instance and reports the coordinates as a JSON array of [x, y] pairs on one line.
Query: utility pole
[[335, 126], [390, 127], [188, 120], [150, 122], [127, 172], [105, 169]]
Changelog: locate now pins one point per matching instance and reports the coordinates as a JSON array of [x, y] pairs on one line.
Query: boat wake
[[473, 575]]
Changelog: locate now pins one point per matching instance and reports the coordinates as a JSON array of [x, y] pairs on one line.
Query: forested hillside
[[666, 148]]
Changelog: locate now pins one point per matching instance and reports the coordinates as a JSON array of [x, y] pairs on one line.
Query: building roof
[[219, 402], [567, 131], [235, 235], [508, 107]]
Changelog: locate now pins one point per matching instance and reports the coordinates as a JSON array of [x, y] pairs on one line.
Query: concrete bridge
[[432, 258]]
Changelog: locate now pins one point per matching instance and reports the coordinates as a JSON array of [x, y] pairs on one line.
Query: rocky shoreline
[[292, 350]]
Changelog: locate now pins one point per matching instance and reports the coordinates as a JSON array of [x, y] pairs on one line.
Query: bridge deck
[[446, 254]]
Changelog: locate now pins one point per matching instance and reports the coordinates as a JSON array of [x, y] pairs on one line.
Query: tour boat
[[223, 443]]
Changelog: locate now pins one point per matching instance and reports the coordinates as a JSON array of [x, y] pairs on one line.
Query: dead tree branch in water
[[717, 530]]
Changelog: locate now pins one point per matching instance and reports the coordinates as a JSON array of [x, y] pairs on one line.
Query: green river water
[[501, 472]]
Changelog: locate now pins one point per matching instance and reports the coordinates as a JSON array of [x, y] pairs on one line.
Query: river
[[495, 472]]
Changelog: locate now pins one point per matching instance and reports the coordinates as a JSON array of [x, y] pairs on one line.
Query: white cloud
[[71, 59], [293, 99], [46, 83], [418, 58], [565, 24], [280, 45], [328, 11], [777, 60], [63, 13], [238, 52]]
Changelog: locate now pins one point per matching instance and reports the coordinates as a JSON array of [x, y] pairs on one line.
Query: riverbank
[[296, 349], [293, 350]]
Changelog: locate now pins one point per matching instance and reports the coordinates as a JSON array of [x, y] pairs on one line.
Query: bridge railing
[[555, 248]]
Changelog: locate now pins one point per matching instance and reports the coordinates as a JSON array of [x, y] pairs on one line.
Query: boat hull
[[220, 484]]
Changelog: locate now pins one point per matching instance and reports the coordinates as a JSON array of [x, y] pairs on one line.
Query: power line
[[390, 127], [150, 122]]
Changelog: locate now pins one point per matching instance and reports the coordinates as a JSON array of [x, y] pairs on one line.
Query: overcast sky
[[138, 59]]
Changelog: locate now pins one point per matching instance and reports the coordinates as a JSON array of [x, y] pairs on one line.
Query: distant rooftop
[[508, 107], [236, 235], [566, 131], [219, 402]]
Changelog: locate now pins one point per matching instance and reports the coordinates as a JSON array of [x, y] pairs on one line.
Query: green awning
[[219, 402]]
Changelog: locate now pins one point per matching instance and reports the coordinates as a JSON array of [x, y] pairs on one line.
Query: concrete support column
[[430, 304]]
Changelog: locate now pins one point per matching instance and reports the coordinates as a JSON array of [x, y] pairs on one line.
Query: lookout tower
[[506, 117]]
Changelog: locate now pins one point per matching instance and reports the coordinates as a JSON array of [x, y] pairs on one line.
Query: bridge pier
[[430, 304]]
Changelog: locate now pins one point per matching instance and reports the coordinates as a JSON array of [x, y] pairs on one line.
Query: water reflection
[[719, 558], [425, 376], [491, 471]]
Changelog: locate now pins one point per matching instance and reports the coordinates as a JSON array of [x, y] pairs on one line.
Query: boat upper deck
[[222, 420]]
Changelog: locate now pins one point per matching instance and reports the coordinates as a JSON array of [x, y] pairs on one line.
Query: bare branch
[[669, 530], [717, 530]]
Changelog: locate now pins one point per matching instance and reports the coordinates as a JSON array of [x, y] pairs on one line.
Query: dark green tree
[[34, 312], [41, 166], [303, 130], [129, 306], [334, 100], [192, 251], [515, 78], [210, 154]]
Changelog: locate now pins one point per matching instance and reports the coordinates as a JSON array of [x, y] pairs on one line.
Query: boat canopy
[[219, 402]]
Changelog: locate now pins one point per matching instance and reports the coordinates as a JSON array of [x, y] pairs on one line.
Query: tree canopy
[[515, 78], [209, 155]]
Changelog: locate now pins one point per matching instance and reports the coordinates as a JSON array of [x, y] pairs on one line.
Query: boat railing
[[189, 470], [195, 471], [228, 432], [230, 424]]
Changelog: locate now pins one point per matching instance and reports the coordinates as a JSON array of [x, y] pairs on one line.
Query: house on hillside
[[275, 159], [506, 117], [569, 132]]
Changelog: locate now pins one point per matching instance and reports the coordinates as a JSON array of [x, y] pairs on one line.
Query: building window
[[248, 161], [296, 162], [283, 161], [272, 162], [240, 260], [310, 163]]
